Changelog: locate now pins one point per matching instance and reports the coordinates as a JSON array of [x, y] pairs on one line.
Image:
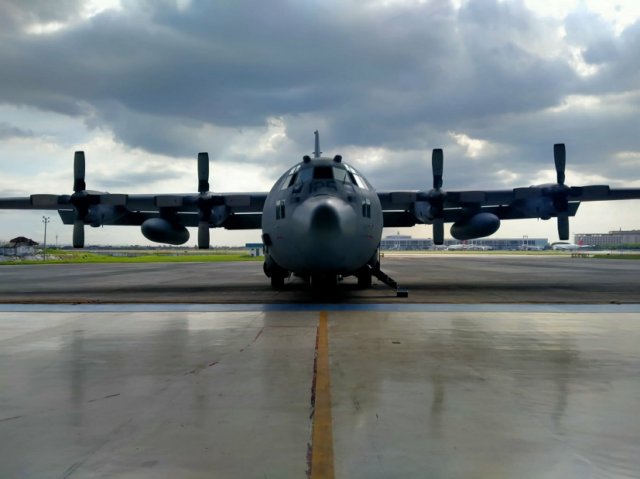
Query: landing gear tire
[[364, 279], [275, 272], [277, 282]]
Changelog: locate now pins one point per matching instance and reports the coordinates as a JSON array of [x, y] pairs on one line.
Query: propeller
[[79, 199], [78, 234], [78, 172], [436, 196], [82, 200], [204, 201], [560, 193], [560, 159]]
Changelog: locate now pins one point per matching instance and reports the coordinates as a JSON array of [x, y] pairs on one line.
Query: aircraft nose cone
[[324, 233], [324, 219]]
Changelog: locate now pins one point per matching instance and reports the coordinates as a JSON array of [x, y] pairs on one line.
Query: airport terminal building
[[610, 239], [407, 243]]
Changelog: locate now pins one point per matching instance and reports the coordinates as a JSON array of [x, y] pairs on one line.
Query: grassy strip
[[475, 252], [80, 258], [617, 256]]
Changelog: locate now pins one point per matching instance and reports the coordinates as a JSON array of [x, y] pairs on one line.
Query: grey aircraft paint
[[322, 217]]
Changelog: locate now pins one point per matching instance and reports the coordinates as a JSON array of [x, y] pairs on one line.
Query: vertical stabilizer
[[317, 152]]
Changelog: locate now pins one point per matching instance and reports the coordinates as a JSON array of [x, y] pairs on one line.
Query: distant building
[[19, 246], [610, 239], [407, 243], [509, 244], [255, 249]]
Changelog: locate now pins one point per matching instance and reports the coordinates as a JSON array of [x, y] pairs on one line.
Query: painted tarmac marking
[[322, 436]]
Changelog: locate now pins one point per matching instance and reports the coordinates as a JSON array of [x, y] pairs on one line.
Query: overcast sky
[[143, 86]]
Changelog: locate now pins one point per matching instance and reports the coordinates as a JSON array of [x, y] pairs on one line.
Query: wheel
[[277, 282], [364, 279]]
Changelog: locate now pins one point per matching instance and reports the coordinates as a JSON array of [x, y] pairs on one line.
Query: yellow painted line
[[322, 436]]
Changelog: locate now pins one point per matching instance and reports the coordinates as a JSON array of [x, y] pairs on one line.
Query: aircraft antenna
[[317, 152]]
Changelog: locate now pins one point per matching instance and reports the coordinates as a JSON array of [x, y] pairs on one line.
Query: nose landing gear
[[373, 269]]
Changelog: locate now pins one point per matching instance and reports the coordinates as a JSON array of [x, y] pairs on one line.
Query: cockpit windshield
[[323, 173], [342, 173]]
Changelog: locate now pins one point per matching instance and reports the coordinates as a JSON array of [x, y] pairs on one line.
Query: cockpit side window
[[340, 174], [355, 178], [290, 179], [293, 179], [305, 175]]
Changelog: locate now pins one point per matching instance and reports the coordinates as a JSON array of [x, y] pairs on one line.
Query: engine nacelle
[[478, 226], [160, 230]]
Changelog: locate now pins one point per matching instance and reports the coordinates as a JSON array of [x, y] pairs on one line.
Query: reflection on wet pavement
[[520, 393]]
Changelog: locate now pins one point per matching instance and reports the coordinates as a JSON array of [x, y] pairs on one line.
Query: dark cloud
[[18, 13], [402, 77], [127, 180], [8, 131], [618, 60]]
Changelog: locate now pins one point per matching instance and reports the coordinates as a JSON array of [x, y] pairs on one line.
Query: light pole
[[45, 220]]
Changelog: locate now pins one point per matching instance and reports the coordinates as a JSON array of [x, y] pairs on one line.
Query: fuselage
[[322, 217]]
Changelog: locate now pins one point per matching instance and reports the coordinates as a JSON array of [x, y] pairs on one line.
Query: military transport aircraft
[[322, 219]]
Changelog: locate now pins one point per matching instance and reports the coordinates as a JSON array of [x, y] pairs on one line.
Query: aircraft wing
[[477, 213], [406, 200], [222, 210], [171, 213], [408, 208]]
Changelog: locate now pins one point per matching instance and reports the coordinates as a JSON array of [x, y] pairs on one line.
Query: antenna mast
[[317, 152]]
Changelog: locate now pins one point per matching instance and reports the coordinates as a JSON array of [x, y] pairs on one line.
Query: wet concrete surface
[[429, 279], [522, 392]]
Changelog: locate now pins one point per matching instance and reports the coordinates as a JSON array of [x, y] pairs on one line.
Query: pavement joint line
[[322, 466], [309, 307]]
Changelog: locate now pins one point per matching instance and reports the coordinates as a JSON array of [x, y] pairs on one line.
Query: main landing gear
[[275, 273]]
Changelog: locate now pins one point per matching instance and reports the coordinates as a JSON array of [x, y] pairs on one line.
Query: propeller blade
[[563, 226], [78, 172], [203, 235], [437, 165], [78, 234], [203, 172], [560, 159], [438, 231]]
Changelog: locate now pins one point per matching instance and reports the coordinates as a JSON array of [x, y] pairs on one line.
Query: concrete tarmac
[[430, 279], [384, 387], [219, 393]]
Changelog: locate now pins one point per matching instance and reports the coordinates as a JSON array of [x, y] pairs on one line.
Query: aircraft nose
[[324, 218], [325, 233], [327, 217]]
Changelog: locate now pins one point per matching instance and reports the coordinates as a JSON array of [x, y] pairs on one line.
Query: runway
[[494, 367], [429, 279], [281, 391]]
